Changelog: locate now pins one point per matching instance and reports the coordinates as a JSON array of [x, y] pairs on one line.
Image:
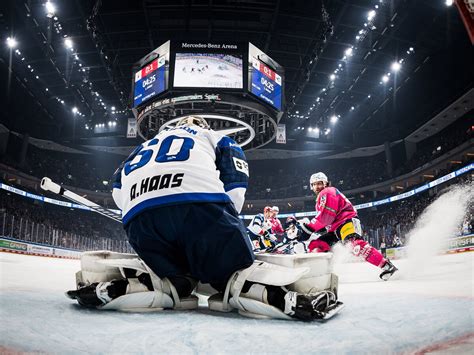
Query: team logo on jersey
[[241, 165], [157, 182], [322, 201]]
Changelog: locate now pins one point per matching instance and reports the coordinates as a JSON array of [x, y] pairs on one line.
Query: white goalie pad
[[253, 304], [93, 268], [103, 266], [318, 278], [303, 273]]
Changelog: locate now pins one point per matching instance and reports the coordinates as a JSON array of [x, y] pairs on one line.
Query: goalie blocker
[[287, 287]]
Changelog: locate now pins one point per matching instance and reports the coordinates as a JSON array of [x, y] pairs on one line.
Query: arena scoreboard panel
[[265, 82], [149, 81], [240, 70]]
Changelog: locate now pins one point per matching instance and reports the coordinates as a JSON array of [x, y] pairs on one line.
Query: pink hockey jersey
[[276, 226], [333, 209]]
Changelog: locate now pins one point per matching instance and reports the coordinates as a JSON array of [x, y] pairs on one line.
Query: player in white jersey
[[180, 194], [259, 231]]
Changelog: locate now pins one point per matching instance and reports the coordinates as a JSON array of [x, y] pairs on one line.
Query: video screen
[[149, 81], [266, 84], [209, 70]]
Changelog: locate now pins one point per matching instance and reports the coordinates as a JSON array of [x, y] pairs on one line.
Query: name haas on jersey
[[157, 182]]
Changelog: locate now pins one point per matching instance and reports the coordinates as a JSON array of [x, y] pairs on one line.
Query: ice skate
[[94, 295], [387, 270], [314, 306]]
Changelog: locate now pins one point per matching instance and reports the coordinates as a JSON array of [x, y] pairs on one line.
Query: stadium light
[[449, 2], [384, 79], [332, 77], [371, 15], [334, 119], [11, 42], [348, 52], [396, 66], [50, 9], [352, 108], [68, 43], [75, 110]]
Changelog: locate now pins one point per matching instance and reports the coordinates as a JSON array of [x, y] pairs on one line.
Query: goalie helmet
[[318, 177], [193, 121]]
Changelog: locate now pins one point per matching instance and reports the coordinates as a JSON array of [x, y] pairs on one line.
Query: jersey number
[[180, 147]]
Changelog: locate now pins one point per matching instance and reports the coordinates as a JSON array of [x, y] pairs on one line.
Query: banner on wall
[[281, 134], [9, 244], [132, 128]]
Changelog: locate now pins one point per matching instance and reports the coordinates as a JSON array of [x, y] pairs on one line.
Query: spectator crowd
[[32, 220], [278, 179]]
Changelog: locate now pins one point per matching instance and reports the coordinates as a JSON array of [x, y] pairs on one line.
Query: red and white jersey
[[333, 209], [276, 226]]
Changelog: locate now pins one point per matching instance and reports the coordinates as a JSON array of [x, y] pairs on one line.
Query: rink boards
[[459, 244]]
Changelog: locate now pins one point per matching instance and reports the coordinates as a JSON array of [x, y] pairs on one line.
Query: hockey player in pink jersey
[[277, 228], [336, 220]]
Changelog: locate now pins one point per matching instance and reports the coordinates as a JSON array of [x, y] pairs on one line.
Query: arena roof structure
[[358, 72]]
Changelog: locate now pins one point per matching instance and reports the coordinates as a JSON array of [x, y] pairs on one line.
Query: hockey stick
[[48, 185]]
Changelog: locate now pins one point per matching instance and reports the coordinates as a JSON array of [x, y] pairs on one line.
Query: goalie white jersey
[[186, 164]]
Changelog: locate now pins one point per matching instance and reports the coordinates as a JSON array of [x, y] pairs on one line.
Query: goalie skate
[[319, 306]]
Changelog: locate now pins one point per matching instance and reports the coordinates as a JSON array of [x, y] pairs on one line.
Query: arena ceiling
[[338, 57]]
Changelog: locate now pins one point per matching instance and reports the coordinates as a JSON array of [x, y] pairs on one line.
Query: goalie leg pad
[[319, 277], [104, 266], [96, 266], [254, 303]]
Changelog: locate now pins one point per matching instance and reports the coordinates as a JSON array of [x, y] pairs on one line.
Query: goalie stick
[[48, 185]]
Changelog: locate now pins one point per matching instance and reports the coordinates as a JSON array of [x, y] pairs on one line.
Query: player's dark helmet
[[290, 221]]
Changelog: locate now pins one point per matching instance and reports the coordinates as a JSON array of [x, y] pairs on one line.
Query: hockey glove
[[306, 230]]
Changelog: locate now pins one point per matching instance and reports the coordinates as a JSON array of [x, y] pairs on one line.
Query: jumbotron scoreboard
[[149, 81], [234, 68], [265, 82], [236, 86]]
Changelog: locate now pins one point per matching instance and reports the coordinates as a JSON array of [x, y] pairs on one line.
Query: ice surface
[[433, 311]]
